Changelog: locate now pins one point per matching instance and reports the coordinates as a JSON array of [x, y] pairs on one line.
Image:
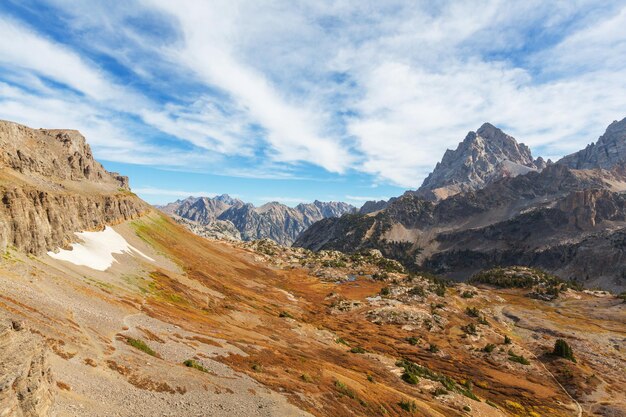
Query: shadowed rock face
[[224, 216], [51, 187], [568, 221], [483, 157], [608, 151]]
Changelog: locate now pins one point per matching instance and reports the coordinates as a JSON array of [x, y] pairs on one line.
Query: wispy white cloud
[[382, 88]]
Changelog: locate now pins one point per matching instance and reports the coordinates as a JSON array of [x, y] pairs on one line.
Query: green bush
[[385, 291], [440, 391], [408, 405], [489, 348], [190, 363], [141, 345], [433, 348], [518, 358], [418, 290], [358, 349], [412, 340], [563, 350], [468, 294], [470, 329], [507, 340], [472, 311], [345, 390]]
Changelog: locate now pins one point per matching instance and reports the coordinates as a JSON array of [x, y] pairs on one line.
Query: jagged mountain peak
[[272, 220], [608, 151], [482, 157]]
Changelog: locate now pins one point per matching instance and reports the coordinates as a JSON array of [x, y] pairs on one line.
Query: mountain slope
[[181, 325], [219, 216], [483, 157], [545, 219]]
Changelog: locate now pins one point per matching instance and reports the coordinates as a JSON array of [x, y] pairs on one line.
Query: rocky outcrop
[[213, 217], [483, 157], [52, 153], [26, 388], [37, 221], [608, 151], [216, 229], [51, 187]]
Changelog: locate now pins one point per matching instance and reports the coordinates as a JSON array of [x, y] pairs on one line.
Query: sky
[[294, 101]]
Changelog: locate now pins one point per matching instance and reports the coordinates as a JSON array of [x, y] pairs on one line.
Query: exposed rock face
[[608, 151], [568, 221], [61, 154], [213, 217], [373, 206], [51, 187], [483, 157], [216, 229], [25, 378], [38, 221]]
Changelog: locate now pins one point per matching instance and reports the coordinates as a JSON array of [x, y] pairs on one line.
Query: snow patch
[[96, 249]]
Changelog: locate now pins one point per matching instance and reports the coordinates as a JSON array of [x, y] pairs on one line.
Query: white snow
[[96, 249]]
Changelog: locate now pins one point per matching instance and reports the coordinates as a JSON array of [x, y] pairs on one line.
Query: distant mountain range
[[225, 217], [489, 203]]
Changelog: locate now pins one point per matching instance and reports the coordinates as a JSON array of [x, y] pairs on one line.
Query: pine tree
[[563, 350]]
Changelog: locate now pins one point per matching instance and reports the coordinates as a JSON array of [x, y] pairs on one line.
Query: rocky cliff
[[483, 157], [608, 151], [224, 216], [51, 187]]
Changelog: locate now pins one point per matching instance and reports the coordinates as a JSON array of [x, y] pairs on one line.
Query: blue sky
[[296, 101]]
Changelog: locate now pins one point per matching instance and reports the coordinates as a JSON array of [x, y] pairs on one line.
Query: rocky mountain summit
[[484, 156], [227, 217], [568, 221], [608, 151]]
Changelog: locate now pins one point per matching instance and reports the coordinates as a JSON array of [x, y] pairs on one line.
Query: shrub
[[284, 314], [507, 340], [345, 390], [190, 363], [357, 349], [470, 329], [482, 320], [141, 345], [440, 391], [257, 367], [489, 348], [341, 341], [410, 378], [412, 340], [563, 350], [384, 291], [468, 294], [306, 378], [433, 348], [472, 311], [408, 405], [417, 291], [518, 358]]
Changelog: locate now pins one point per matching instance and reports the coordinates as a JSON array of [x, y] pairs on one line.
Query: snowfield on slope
[[96, 249]]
